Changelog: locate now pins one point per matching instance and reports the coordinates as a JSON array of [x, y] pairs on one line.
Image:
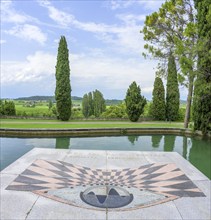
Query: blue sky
[[104, 41]]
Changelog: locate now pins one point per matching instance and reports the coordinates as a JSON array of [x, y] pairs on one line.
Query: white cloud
[[3, 41], [111, 75], [152, 5], [35, 68], [146, 4], [28, 32], [9, 14]]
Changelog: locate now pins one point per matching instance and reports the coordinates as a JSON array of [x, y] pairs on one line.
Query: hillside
[[74, 98]]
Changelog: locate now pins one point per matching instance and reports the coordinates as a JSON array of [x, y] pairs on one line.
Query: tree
[[85, 106], [115, 111], [158, 108], [98, 103], [91, 106], [172, 91], [202, 93], [134, 102], [50, 104], [9, 108], [173, 30], [63, 89]]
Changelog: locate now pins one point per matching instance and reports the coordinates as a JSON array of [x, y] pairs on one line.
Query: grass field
[[54, 124]]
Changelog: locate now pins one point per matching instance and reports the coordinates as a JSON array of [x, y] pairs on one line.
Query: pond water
[[195, 150]]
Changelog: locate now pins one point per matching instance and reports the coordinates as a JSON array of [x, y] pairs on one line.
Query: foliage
[[202, 94], [85, 106], [76, 113], [172, 91], [93, 104], [173, 29], [158, 109], [63, 89], [50, 104], [98, 103], [7, 108], [115, 111], [134, 102]]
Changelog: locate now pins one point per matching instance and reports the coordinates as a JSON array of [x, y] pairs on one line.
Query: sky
[[104, 41]]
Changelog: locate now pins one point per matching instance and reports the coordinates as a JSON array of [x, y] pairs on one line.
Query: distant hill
[[74, 98], [44, 98]]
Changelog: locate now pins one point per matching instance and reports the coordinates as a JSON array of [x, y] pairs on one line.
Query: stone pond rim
[[80, 132]]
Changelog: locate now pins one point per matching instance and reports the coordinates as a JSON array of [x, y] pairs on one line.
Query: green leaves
[[134, 102]]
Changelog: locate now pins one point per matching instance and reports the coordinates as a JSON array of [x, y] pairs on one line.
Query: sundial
[[113, 189]]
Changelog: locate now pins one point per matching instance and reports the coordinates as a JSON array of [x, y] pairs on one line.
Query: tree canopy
[[135, 102], [173, 29]]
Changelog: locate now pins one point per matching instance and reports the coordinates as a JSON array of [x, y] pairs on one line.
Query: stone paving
[[79, 184]]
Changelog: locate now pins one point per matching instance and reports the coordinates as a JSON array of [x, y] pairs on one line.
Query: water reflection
[[197, 151], [133, 139], [200, 154], [169, 142], [156, 140], [62, 143]]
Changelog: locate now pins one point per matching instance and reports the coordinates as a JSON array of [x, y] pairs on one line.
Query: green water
[[197, 151]]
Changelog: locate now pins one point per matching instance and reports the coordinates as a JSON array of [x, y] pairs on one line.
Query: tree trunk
[[189, 102]]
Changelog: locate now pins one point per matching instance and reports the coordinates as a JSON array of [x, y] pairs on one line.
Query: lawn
[[54, 124]]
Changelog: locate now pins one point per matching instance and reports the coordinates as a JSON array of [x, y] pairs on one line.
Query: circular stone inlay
[[106, 197]]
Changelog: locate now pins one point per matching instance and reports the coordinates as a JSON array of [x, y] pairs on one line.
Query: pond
[[195, 150]]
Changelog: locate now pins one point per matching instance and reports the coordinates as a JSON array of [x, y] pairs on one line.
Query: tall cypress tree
[[172, 91], [158, 100], [63, 89], [135, 102], [202, 93]]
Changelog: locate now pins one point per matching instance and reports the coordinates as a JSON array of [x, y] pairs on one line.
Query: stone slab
[[28, 205]]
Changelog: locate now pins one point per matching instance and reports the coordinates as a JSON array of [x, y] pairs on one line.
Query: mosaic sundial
[[114, 189]]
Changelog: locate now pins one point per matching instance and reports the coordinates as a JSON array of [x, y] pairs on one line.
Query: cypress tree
[[158, 100], [172, 91], [134, 102], [63, 89], [202, 92]]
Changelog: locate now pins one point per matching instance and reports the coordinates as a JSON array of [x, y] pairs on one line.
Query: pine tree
[[172, 91], [158, 110], [134, 102], [202, 93], [63, 89]]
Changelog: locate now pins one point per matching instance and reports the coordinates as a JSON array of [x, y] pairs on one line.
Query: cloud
[[60, 17], [151, 5], [28, 32], [123, 38], [3, 41], [35, 68], [111, 75], [9, 14], [88, 72]]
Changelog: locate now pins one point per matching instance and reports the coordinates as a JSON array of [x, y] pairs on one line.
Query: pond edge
[[79, 132]]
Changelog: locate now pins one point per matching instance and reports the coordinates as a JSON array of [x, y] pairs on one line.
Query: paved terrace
[[77, 184]]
